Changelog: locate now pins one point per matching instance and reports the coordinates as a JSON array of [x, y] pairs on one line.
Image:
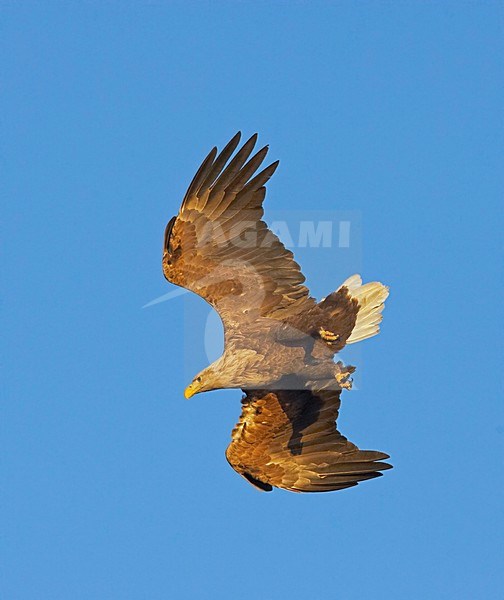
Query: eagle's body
[[279, 341]]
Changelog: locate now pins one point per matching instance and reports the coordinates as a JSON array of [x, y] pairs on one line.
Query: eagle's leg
[[309, 358], [325, 376], [290, 336]]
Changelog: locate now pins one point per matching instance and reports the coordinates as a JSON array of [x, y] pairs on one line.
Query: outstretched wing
[[288, 439], [219, 248]]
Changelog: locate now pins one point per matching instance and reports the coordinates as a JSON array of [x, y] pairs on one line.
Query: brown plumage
[[279, 341], [289, 439]]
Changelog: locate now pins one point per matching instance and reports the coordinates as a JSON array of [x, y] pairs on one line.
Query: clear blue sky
[[114, 485]]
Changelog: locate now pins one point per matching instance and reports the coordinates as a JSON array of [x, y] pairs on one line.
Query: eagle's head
[[203, 382], [234, 370], [194, 387]]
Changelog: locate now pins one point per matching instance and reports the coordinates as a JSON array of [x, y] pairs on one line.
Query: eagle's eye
[[198, 379]]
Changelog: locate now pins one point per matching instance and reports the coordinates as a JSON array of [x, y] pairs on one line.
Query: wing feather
[[230, 172], [288, 439], [221, 160], [199, 178], [219, 247]]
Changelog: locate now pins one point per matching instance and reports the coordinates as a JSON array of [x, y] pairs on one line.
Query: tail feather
[[371, 298]]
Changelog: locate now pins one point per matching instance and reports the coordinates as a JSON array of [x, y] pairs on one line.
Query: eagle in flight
[[280, 342]]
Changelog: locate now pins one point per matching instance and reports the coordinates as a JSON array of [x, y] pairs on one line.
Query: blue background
[[114, 486]]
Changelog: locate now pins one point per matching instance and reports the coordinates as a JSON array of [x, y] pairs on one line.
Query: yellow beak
[[189, 391]]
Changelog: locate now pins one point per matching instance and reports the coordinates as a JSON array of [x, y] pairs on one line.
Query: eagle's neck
[[240, 369]]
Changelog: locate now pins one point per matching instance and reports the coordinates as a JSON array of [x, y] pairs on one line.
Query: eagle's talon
[[344, 380], [328, 336], [343, 376]]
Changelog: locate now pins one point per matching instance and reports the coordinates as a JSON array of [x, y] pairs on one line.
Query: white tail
[[371, 298]]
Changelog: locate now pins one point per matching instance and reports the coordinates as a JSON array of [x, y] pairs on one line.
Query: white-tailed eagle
[[280, 342]]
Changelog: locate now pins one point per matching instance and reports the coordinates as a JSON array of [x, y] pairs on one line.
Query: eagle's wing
[[288, 439], [219, 248]]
